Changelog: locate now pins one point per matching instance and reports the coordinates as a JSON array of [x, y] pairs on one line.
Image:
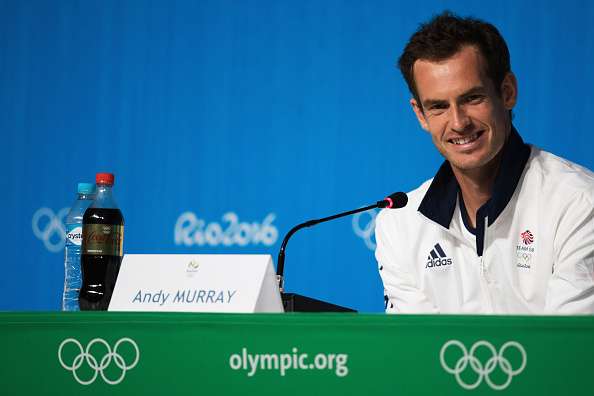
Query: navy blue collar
[[440, 200]]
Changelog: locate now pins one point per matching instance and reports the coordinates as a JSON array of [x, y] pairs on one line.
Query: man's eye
[[437, 107], [474, 99]]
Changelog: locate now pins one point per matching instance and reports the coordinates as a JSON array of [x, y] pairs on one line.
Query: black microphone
[[393, 201]]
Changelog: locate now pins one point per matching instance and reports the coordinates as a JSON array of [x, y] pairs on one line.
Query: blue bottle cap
[[86, 188]]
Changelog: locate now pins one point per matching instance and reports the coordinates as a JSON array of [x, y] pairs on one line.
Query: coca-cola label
[[103, 239], [73, 234]]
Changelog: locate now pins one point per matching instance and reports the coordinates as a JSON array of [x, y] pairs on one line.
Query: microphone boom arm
[[281, 254]]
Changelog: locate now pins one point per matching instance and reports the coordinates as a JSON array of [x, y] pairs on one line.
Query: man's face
[[467, 119]]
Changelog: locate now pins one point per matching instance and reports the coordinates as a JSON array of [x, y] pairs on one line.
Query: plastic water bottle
[[72, 276]]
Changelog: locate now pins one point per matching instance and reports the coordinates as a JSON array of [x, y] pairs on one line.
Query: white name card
[[196, 283]]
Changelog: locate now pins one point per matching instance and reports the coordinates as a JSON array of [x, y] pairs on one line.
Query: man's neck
[[476, 186]]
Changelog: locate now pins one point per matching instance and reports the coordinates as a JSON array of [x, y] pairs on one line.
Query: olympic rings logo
[[367, 233], [496, 359], [49, 228], [84, 355]]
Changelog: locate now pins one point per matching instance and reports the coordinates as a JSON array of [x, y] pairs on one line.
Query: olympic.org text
[[282, 362]]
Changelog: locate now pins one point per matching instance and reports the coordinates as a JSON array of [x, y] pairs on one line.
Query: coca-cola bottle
[[102, 247]]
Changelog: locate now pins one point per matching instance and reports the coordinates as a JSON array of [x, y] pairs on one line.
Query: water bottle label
[[73, 234], [103, 239]]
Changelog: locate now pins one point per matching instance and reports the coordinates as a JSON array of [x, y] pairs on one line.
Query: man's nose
[[459, 120]]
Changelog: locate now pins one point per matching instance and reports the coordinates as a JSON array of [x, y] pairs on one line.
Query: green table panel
[[96, 353]]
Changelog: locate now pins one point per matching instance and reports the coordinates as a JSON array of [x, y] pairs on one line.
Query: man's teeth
[[466, 139]]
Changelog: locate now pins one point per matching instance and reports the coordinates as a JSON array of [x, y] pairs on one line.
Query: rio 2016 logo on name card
[[191, 230]]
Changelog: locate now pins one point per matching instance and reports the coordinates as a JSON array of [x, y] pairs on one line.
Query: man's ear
[[509, 91], [419, 113]]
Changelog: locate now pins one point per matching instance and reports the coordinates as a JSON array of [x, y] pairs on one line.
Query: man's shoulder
[[560, 174]]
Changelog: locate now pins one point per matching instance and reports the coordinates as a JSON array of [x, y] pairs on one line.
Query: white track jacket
[[531, 253]]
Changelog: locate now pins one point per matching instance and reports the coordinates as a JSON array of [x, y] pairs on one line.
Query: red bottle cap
[[105, 178]]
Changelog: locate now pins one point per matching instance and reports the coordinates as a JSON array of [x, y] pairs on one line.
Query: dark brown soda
[[99, 272]]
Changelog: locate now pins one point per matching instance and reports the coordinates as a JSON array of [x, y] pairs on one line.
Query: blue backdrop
[[227, 122]]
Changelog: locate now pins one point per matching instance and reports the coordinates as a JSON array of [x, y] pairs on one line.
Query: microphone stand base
[[297, 303]]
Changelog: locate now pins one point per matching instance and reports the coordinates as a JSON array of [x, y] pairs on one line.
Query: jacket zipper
[[484, 273]]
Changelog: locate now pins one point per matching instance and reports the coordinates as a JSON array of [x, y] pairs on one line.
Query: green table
[[306, 354]]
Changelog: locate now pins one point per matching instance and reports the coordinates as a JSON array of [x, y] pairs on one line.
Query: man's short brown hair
[[444, 35]]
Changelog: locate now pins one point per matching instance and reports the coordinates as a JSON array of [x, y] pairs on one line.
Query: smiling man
[[503, 227]]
